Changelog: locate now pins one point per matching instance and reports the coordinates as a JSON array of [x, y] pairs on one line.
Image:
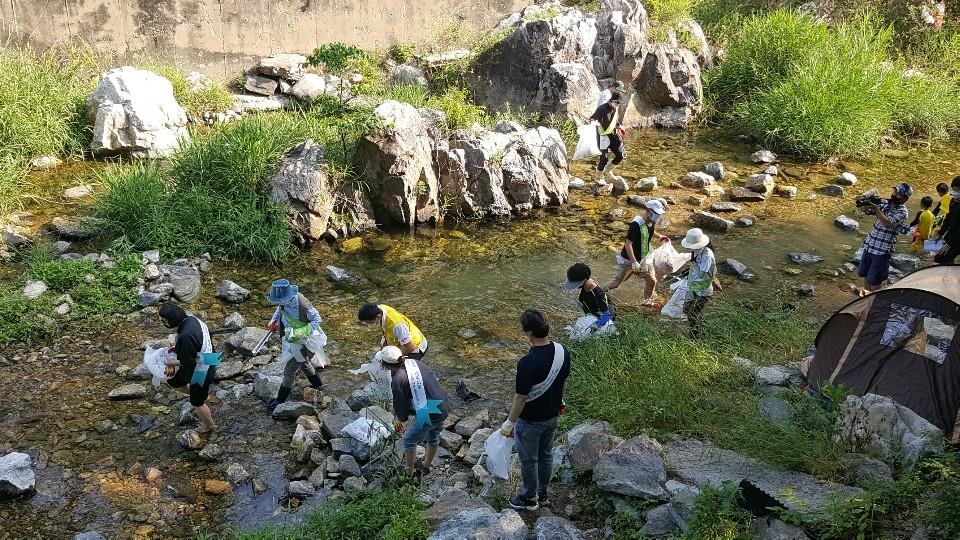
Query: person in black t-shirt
[[187, 347], [541, 380], [606, 117], [593, 298], [637, 246]]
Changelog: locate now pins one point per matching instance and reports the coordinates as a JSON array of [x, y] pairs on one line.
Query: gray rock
[[763, 156], [151, 272], [507, 127], [46, 161], [482, 524], [354, 483], [77, 192], [33, 289], [681, 507], [127, 391], [740, 194], [319, 475], [71, 229], [587, 443], [237, 473], [848, 267], [348, 465], [406, 75], [450, 504], [291, 410], [229, 291], [468, 426], [309, 87], [283, 65], [555, 528], [905, 263], [846, 179], [696, 180], [715, 169], [832, 190], [776, 410], [805, 290], [659, 522], [880, 427], [863, 469], [620, 186], [233, 321], [334, 421], [140, 372], [301, 488], [339, 275], [779, 376], [476, 449], [787, 192], [804, 258], [760, 183], [228, 370], [702, 463], [577, 183], [151, 257], [736, 268], [60, 247], [16, 475], [246, 339], [771, 528], [190, 439], [635, 468], [450, 440], [258, 84], [303, 185], [211, 452], [163, 290], [14, 238], [646, 184], [772, 170], [743, 222], [89, 535], [266, 386], [725, 207], [568, 89], [846, 224], [711, 222], [185, 281]]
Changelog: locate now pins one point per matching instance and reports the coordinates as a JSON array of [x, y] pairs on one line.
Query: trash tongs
[[266, 338]]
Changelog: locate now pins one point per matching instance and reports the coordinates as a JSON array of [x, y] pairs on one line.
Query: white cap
[[655, 206], [389, 355]]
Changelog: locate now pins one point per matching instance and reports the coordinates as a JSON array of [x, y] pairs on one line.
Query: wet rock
[[339, 275], [846, 224], [190, 439], [211, 452], [77, 192], [759, 183], [135, 113], [725, 207], [736, 268], [740, 194], [217, 487], [246, 339], [846, 179], [229, 291], [237, 473], [776, 410], [476, 442], [715, 169], [16, 475], [832, 190], [787, 192], [905, 263], [185, 281], [301, 488], [348, 465], [802, 257], [806, 290], [635, 468], [881, 427], [15, 239], [33, 289], [659, 522], [711, 222], [127, 391], [763, 156], [482, 523], [354, 484], [646, 184], [555, 528], [696, 179], [291, 410], [771, 528], [282, 65], [588, 442], [71, 229], [89, 535]]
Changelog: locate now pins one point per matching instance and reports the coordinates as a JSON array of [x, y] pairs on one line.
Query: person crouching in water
[[593, 299], [193, 340], [703, 268], [415, 390], [298, 322]]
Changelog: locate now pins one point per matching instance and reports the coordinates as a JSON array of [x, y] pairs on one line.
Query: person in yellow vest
[[609, 135], [397, 329]]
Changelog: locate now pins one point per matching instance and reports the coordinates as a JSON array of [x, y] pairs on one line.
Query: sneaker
[[519, 502], [543, 500]]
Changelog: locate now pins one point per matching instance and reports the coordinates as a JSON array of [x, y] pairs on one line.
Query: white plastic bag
[[581, 329], [366, 430], [665, 260], [499, 450], [587, 145], [674, 308], [155, 360], [314, 343], [379, 377]]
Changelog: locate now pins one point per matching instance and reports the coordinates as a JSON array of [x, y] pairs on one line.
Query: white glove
[[507, 428], [636, 266]]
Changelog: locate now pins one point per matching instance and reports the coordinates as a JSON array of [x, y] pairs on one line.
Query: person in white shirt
[[615, 86]]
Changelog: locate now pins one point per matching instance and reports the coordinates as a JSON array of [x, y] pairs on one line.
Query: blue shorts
[[418, 433], [874, 269]]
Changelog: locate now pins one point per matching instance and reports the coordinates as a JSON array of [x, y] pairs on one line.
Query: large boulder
[[879, 426], [352, 212], [397, 166], [450, 504], [16, 475], [134, 113], [587, 443], [569, 90], [634, 468], [667, 89], [622, 27], [406, 75], [304, 187], [184, 279], [535, 170], [283, 65], [483, 524]]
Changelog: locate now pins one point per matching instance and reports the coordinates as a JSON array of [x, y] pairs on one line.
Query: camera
[[870, 199]]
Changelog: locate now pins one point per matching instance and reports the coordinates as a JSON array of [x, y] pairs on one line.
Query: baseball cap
[[389, 355], [655, 206], [904, 189], [577, 275]]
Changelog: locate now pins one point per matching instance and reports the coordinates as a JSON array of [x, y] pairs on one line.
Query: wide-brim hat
[[655, 206], [389, 355], [281, 291], [695, 239], [573, 285]]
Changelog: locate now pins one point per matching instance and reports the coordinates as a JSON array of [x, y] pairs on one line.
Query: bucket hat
[[281, 292], [695, 239]]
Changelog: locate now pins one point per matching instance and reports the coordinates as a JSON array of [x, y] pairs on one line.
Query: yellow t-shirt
[[944, 210], [926, 222]]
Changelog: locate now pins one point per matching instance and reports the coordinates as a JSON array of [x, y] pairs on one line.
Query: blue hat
[[281, 292], [903, 189]]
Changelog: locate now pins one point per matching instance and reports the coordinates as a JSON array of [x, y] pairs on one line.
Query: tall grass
[[13, 187]]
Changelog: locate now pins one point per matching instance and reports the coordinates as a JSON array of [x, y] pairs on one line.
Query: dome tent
[[899, 342]]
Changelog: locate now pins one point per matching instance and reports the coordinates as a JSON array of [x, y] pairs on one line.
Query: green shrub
[[668, 12], [716, 515], [401, 52], [341, 60], [455, 104]]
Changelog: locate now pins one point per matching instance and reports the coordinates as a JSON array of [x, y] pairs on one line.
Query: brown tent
[[899, 342]]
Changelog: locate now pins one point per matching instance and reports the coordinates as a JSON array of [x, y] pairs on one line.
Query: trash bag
[[673, 309], [665, 260], [366, 430], [314, 343], [582, 328], [587, 145], [154, 360], [499, 450]]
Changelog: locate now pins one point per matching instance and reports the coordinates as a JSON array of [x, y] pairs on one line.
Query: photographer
[[879, 245]]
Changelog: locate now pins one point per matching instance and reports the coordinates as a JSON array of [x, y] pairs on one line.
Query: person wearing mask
[[950, 228], [302, 341], [416, 391], [532, 422], [703, 268], [593, 299], [615, 86], [396, 329], [636, 247], [609, 136], [881, 241], [191, 364]]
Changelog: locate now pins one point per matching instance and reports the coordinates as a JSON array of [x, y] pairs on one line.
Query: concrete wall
[[220, 37]]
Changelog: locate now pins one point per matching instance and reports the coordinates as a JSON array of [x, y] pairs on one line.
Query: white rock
[[45, 162], [309, 86], [846, 179], [646, 184], [880, 426], [33, 289], [77, 192], [16, 475], [763, 156]]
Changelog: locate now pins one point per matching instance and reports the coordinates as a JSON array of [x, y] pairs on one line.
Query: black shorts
[[198, 392]]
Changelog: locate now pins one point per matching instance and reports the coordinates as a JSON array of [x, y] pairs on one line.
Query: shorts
[[198, 392], [418, 433], [874, 269]]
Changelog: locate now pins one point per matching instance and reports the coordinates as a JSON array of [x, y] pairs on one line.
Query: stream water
[[464, 286]]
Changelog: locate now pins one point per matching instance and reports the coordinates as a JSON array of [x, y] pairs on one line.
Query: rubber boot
[[282, 396], [315, 381]]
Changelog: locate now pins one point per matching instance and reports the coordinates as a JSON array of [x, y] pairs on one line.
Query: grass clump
[[206, 97], [13, 185], [393, 514], [716, 515]]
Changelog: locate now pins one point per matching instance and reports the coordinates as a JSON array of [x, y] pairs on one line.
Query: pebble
[[190, 439], [217, 487]]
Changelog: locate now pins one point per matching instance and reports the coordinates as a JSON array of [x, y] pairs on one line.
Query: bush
[[401, 52], [668, 12], [716, 515]]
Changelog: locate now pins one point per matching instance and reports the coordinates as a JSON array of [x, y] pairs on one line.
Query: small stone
[[46, 161], [348, 466], [711, 222], [234, 321], [151, 257], [848, 267], [739, 194], [127, 391], [646, 184], [725, 207], [301, 488], [696, 199], [763, 156], [33, 289], [60, 247], [759, 183], [151, 474], [211, 452], [713, 190], [787, 192], [217, 487], [905, 263], [259, 486], [832, 190], [467, 333], [190, 439], [743, 222], [715, 169], [77, 192], [772, 170], [450, 440], [738, 269], [151, 272], [602, 189], [237, 473], [577, 183], [803, 257], [339, 275], [792, 271], [620, 186], [62, 310], [846, 179], [354, 483], [229, 291], [696, 180], [846, 224], [291, 410]]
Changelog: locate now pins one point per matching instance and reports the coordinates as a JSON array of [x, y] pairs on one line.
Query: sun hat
[[904, 189], [389, 355], [695, 239], [281, 291], [655, 206]]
